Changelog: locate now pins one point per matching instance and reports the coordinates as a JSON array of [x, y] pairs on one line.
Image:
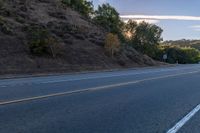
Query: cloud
[[160, 17], [151, 21], [195, 27]]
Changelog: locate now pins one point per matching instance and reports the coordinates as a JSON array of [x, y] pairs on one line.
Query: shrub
[[82, 6], [4, 27], [1, 4], [112, 43], [190, 55], [41, 42], [20, 20], [184, 55], [54, 47]]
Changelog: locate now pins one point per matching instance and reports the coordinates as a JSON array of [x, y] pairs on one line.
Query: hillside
[[80, 41]]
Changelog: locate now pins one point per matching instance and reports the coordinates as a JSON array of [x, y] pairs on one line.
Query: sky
[[180, 19]]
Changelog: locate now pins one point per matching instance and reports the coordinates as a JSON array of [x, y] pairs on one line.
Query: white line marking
[[91, 89], [185, 119]]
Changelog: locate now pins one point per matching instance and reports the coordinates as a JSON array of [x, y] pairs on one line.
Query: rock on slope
[[81, 40]]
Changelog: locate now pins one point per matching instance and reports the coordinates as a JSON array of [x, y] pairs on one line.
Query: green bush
[[41, 42], [83, 6], [182, 55], [4, 27], [108, 17]]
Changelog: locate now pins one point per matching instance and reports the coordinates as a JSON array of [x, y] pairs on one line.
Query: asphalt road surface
[[147, 100]]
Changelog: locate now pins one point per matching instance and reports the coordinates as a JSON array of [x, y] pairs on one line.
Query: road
[[147, 100]]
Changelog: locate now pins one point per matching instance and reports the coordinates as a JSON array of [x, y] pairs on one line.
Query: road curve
[[150, 100]]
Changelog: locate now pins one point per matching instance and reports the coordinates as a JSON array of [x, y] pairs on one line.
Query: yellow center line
[[91, 89]]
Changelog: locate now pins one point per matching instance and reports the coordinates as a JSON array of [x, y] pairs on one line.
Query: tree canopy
[[83, 6], [145, 37], [108, 17]]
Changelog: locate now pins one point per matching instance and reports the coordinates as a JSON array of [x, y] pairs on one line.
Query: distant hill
[[184, 43], [80, 41]]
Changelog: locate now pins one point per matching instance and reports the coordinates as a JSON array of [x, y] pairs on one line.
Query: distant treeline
[[182, 51], [177, 54], [184, 43]]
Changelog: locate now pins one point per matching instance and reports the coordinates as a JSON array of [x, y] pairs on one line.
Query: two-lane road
[[148, 100]]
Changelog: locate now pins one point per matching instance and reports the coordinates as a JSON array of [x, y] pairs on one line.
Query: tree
[[41, 42], [108, 17], [146, 38], [130, 28], [182, 55], [112, 43], [85, 7]]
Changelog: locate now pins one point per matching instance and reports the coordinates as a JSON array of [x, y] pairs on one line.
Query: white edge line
[[183, 121], [90, 89]]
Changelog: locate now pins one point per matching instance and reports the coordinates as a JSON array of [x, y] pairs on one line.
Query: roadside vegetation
[[1, 4], [112, 44], [41, 42], [178, 54], [84, 7]]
